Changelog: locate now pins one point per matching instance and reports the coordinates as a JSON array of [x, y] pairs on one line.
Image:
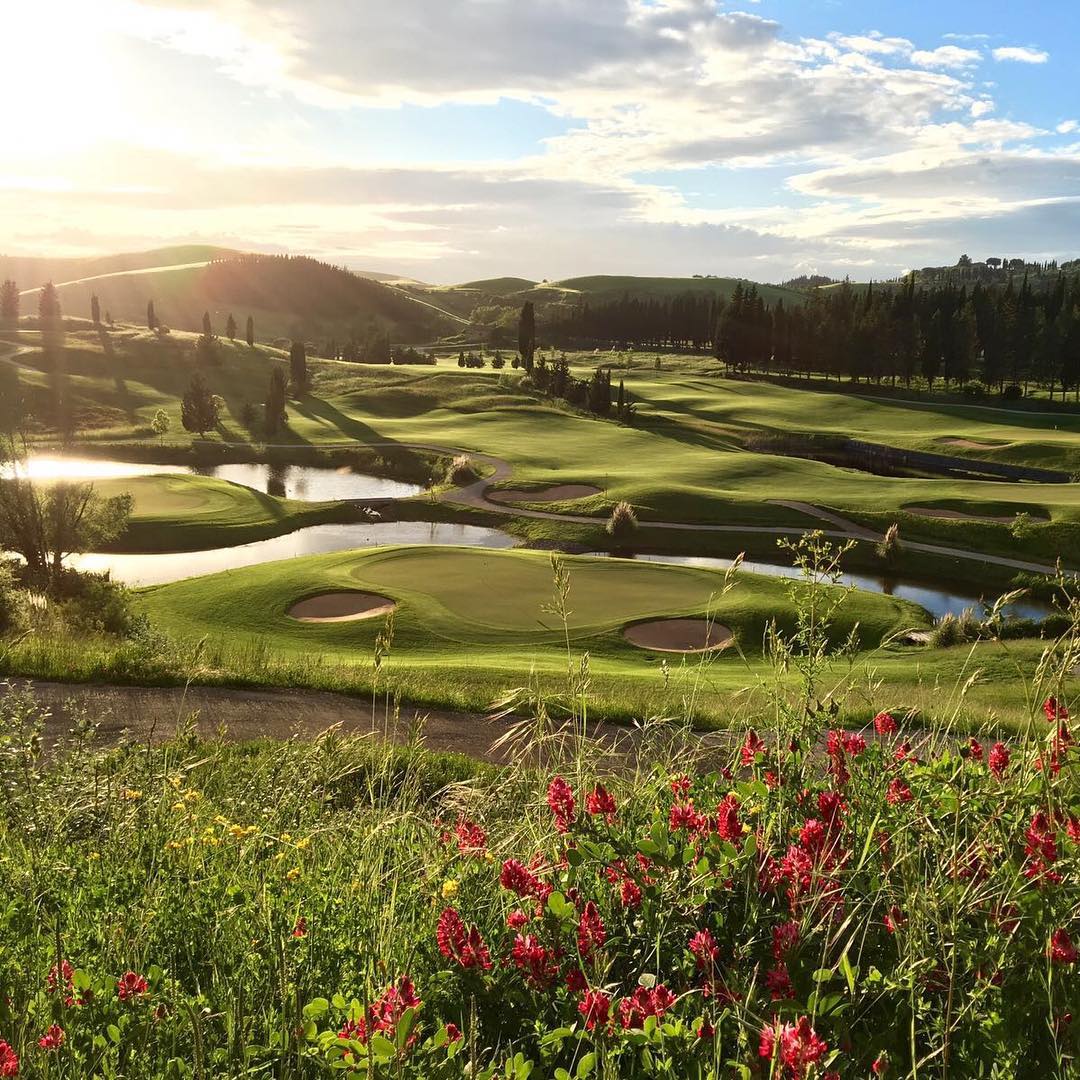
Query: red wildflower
[[65, 972], [903, 753], [751, 747], [1062, 949], [590, 932], [600, 801], [704, 949], [798, 1044], [630, 893], [784, 938], [300, 929], [898, 792], [355, 1030], [465, 946], [53, 1039], [516, 920], [728, 825], [643, 1003], [884, 724], [834, 745], [998, 759], [560, 798], [594, 1007], [9, 1061], [130, 985], [1041, 839], [453, 1033], [392, 1006], [894, 919], [831, 808], [471, 838], [1054, 710], [778, 983], [881, 1064], [853, 743], [975, 750], [686, 816], [529, 956], [680, 785], [705, 1030], [516, 877], [813, 837], [576, 981], [1072, 829]]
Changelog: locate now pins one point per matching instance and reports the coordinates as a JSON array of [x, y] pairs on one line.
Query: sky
[[450, 140]]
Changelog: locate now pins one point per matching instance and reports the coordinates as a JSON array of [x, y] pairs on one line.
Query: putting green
[[449, 599]]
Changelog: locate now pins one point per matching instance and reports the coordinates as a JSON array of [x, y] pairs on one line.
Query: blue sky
[[452, 139]]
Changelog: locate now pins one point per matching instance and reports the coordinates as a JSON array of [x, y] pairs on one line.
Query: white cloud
[[1067, 127], [1021, 54], [946, 56], [982, 107]]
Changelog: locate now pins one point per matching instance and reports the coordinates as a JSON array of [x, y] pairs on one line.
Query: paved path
[[120, 273]]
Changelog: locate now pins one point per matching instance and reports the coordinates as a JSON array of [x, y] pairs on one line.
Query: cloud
[[946, 56], [1021, 54]]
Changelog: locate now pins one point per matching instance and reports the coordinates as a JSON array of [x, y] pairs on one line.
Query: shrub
[[12, 601], [1012, 392], [461, 471], [953, 629], [623, 521], [91, 603], [888, 547]]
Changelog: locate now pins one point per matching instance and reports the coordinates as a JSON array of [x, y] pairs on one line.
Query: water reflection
[[305, 483], [932, 598], [315, 540]]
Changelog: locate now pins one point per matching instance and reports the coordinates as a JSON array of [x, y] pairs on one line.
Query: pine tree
[[298, 374], [9, 304], [49, 306], [207, 327], [250, 333], [230, 328], [95, 310], [527, 335], [199, 409], [151, 317], [275, 417]]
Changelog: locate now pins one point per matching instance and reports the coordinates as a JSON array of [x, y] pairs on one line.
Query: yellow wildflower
[[293, 874], [450, 889]]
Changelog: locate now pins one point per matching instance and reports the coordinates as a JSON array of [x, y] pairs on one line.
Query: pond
[[159, 569], [306, 483], [931, 597]]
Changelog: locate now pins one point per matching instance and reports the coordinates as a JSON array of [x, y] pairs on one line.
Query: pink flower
[[894, 919], [728, 825], [686, 816], [299, 930], [594, 1007], [975, 750], [1054, 710], [704, 949], [536, 961], [516, 920], [453, 1033], [751, 747], [599, 802], [392, 1006], [9, 1061], [643, 1003], [1062, 949], [798, 1044], [630, 893], [881, 1064], [831, 808], [354, 1030], [884, 724], [680, 785], [784, 938], [998, 759], [778, 983], [53, 1039], [466, 946], [516, 877], [853, 743], [590, 932], [472, 840], [560, 798], [898, 792], [130, 985]]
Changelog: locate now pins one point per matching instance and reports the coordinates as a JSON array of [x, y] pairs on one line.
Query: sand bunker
[[679, 635], [341, 607], [959, 515], [971, 444], [558, 493]]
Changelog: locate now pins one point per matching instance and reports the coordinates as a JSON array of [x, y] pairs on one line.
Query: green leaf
[[559, 906], [382, 1047], [113, 1033], [315, 1008], [849, 972], [574, 857], [586, 1065]]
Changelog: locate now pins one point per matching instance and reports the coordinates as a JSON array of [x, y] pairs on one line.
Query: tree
[[298, 374], [275, 417], [95, 310], [9, 304], [527, 335], [49, 312], [151, 317], [47, 523], [207, 326], [199, 409], [250, 334], [230, 328], [160, 424]]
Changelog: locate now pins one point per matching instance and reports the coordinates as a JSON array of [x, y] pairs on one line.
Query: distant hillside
[[32, 272], [288, 297], [503, 286]]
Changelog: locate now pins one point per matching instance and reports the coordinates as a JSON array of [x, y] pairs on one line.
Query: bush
[[461, 471], [91, 603], [12, 601], [1012, 392], [951, 629], [888, 547], [623, 521]]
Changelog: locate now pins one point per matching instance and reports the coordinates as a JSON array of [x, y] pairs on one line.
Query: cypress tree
[[275, 417], [298, 374], [49, 306], [199, 409], [250, 334], [151, 318], [230, 328], [95, 310], [527, 335], [207, 328], [9, 303]]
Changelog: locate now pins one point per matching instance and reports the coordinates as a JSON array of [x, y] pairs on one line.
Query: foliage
[[623, 521], [199, 408], [160, 424], [461, 471], [888, 547]]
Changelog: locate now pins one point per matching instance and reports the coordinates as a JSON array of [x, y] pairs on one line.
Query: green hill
[[502, 286], [613, 287], [31, 272]]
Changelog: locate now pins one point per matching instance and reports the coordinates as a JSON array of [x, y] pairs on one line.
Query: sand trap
[[971, 444], [341, 607], [679, 635], [558, 493], [959, 515]]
